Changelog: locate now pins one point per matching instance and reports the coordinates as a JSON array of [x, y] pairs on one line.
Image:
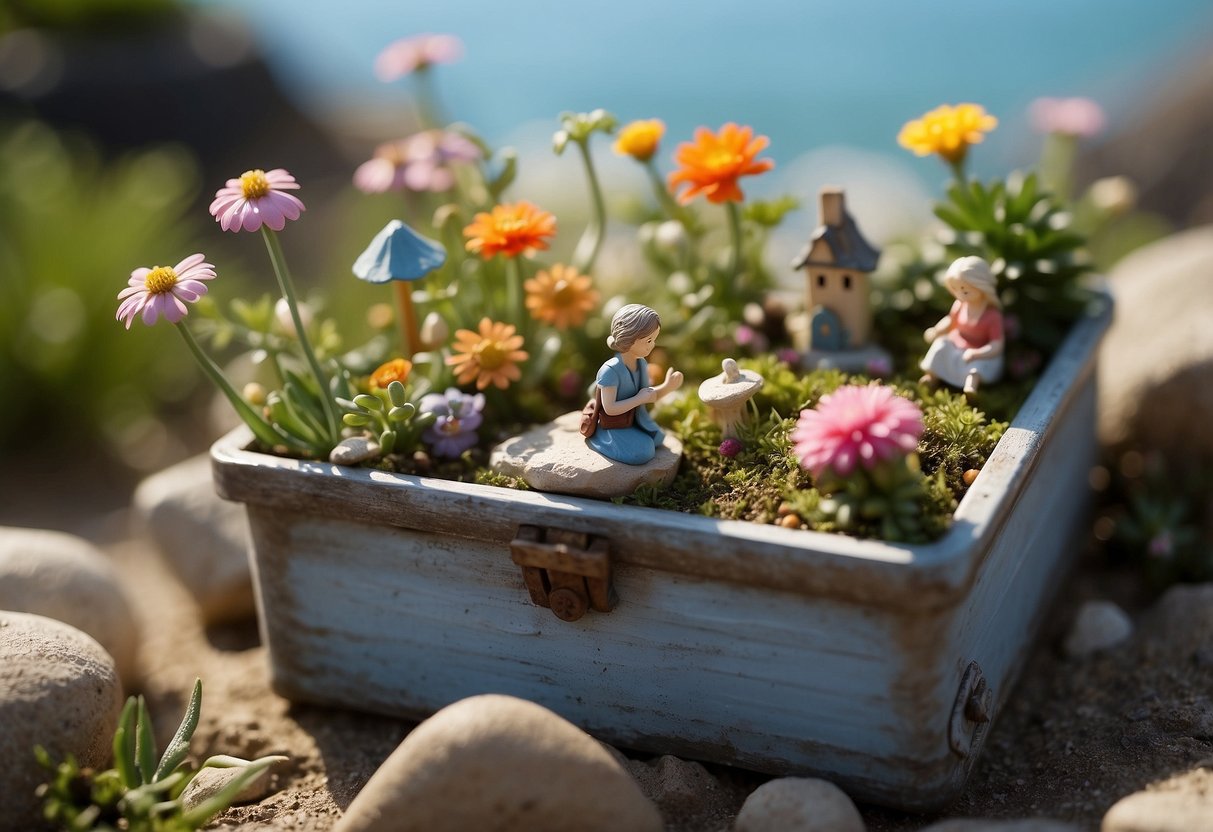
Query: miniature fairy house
[[838, 262]]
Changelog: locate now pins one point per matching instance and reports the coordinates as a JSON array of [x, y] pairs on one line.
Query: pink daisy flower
[[257, 199], [162, 290], [419, 163], [408, 55], [1080, 117], [852, 425]]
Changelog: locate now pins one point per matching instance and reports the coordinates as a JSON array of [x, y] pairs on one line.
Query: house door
[[826, 331]]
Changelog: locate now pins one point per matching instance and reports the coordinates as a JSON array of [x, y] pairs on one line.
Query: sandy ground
[[1076, 736]]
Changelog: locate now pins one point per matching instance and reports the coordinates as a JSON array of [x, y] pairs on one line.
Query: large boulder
[[58, 689]]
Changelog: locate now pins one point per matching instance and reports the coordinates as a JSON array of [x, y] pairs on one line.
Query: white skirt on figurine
[[946, 361]]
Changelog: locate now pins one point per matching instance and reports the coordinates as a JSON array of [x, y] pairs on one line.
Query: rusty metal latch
[[568, 572], [970, 713]]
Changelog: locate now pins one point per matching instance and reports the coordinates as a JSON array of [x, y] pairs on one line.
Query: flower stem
[[513, 286], [734, 241], [591, 239], [675, 211], [260, 428], [958, 169], [278, 259]]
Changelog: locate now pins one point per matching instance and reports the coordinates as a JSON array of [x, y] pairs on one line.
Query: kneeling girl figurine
[[967, 345], [625, 431]]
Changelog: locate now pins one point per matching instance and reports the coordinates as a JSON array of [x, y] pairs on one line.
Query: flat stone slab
[[554, 457]]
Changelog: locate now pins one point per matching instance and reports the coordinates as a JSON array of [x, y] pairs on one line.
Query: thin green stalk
[[734, 241], [672, 208], [427, 100], [590, 243], [261, 428], [513, 286], [958, 169], [274, 247]]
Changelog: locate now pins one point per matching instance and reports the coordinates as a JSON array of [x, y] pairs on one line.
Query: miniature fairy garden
[[793, 394]]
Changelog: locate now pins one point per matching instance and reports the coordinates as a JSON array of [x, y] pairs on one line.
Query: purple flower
[[749, 338], [164, 290], [1161, 545], [730, 447], [1080, 117], [788, 356], [419, 163], [459, 415], [878, 367], [407, 55], [257, 199]]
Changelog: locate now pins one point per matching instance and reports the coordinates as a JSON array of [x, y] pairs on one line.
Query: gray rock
[[984, 825], [58, 689], [1156, 365], [798, 804], [1173, 810], [203, 539], [210, 781], [1099, 625], [554, 457], [64, 577], [1180, 624], [353, 450], [496, 762]]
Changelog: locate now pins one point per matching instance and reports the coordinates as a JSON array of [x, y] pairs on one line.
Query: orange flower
[[714, 162], [560, 297], [640, 139], [489, 356], [518, 228], [397, 369]]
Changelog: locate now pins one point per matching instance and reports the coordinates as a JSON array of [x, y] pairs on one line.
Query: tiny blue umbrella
[[400, 255]]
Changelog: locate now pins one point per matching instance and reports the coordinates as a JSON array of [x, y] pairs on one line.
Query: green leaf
[[124, 745], [145, 744], [356, 420], [387, 441], [395, 392], [368, 402], [179, 746], [402, 413]]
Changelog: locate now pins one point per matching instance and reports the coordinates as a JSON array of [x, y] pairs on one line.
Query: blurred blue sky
[[805, 72]]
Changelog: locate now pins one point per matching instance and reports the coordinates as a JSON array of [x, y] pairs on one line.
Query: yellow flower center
[[563, 293], [722, 159], [451, 428], [253, 184], [489, 355], [512, 225], [160, 280]]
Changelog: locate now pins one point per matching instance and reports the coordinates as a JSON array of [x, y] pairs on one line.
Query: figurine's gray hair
[[631, 322], [974, 272]]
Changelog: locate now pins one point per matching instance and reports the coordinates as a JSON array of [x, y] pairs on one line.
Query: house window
[[846, 281], [821, 281]]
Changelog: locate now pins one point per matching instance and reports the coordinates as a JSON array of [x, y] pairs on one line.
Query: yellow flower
[[513, 229], [397, 369], [947, 131], [560, 297], [640, 139], [714, 162], [489, 356]]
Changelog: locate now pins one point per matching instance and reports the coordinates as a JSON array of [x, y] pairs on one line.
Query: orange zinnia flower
[[397, 369], [518, 228], [489, 356], [640, 139], [714, 162], [560, 297]]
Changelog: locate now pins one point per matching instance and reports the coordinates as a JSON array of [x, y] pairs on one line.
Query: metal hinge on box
[[568, 572]]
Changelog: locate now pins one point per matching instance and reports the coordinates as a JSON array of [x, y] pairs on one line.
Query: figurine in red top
[[967, 345]]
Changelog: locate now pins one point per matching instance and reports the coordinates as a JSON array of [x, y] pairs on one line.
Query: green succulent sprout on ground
[[141, 793]]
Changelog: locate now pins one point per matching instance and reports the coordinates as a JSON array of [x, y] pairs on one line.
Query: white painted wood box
[[877, 666]]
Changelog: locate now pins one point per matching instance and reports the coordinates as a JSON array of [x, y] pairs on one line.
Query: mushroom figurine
[[726, 395], [401, 255]]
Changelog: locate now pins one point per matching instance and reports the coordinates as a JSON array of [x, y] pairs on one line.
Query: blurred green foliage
[[72, 227], [80, 14]]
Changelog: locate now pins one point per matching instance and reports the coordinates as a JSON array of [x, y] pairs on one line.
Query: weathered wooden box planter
[[877, 666]]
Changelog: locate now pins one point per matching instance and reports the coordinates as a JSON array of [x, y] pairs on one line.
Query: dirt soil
[[1076, 736]]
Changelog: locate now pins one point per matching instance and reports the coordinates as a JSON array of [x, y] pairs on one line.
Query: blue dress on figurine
[[637, 444]]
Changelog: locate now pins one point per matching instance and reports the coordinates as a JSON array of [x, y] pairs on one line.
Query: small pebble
[[802, 804], [353, 450], [785, 508], [210, 781], [970, 475], [1161, 811], [791, 521], [1099, 625]]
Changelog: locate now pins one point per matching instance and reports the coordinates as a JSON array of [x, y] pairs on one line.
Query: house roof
[[845, 248]]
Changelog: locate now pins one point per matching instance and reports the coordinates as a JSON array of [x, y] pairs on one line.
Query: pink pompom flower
[[407, 55], [257, 198], [1080, 117], [419, 163], [164, 290], [856, 425]]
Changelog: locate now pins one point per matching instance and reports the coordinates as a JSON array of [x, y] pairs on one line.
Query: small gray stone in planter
[[1161, 811], [203, 539], [66, 578], [798, 804], [501, 763], [58, 689], [210, 781], [353, 450], [1099, 625], [555, 458]]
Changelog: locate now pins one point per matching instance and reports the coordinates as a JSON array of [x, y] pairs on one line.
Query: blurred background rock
[[120, 118]]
